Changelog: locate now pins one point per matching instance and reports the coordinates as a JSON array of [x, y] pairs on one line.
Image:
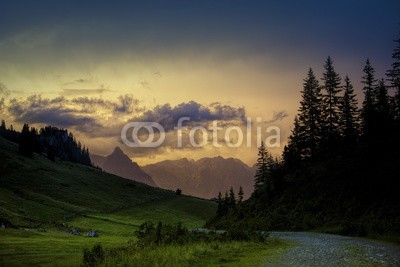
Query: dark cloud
[[78, 113], [223, 112], [124, 104], [168, 116], [127, 104], [69, 92], [36, 109], [58, 116]]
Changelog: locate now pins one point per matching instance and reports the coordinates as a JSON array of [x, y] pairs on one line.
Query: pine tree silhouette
[[349, 115]]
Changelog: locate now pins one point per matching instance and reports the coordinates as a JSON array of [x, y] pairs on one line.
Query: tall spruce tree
[[292, 154], [368, 107], [232, 198], [331, 103], [394, 77], [26, 140], [383, 108], [349, 115], [240, 194], [220, 201], [310, 115], [3, 126], [264, 166]]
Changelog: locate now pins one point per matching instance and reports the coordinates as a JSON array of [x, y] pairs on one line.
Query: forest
[[50, 141], [338, 172]]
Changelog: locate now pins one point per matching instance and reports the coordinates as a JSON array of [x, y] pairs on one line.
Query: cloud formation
[[35, 109], [168, 116], [97, 117], [124, 104]]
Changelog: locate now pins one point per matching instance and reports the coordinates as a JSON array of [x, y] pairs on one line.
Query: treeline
[[340, 161], [229, 201], [329, 117], [50, 141]]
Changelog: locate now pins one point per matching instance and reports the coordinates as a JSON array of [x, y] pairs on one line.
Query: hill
[[120, 164], [204, 177], [42, 200]]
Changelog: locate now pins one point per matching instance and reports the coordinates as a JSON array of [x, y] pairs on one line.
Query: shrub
[[151, 234], [93, 257]]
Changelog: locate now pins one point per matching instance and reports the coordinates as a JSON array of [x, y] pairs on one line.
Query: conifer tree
[[383, 112], [331, 103], [3, 126], [240, 194], [25, 142], [394, 77], [225, 203], [220, 204], [310, 115], [264, 165], [292, 154], [232, 198], [349, 115], [368, 108]]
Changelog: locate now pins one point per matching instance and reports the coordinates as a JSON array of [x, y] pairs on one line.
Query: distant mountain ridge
[[204, 177], [120, 164]]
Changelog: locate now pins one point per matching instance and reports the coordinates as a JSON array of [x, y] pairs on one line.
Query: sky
[[93, 66]]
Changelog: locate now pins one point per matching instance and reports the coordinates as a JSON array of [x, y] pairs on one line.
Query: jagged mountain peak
[[120, 164]]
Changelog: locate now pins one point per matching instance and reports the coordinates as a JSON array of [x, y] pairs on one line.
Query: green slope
[[38, 193]]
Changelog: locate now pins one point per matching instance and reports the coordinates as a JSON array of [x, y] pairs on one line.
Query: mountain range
[[203, 178]]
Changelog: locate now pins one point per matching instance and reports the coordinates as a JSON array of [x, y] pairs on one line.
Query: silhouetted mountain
[[120, 164], [97, 160], [203, 178]]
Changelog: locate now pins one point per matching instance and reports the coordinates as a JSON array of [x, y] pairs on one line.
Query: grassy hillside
[[42, 200]]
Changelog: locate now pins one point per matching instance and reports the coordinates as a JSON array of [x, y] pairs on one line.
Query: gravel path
[[314, 249]]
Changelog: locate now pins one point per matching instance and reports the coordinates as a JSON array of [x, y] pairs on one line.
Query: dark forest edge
[[339, 171], [49, 141]]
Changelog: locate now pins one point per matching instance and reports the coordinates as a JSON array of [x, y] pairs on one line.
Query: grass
[[53, 248], [38, 193], [34, 191], [237, 253]]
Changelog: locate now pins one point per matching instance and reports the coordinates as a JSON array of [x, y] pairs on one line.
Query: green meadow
[[41, 201]]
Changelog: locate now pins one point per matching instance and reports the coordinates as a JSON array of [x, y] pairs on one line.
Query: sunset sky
[[92, 66]]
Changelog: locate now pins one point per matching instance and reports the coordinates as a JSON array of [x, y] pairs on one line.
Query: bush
[[151, 234], [242, 234], [93, 257]]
